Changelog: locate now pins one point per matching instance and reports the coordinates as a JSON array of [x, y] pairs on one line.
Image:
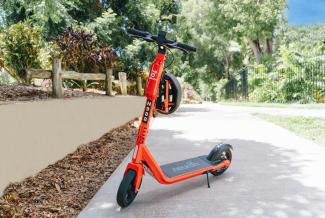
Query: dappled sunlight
[[301, 153], [274, 173]]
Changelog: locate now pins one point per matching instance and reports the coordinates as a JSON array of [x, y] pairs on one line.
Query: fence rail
[[57, 75]]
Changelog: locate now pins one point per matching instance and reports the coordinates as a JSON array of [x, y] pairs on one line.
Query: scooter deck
[[185, 166]]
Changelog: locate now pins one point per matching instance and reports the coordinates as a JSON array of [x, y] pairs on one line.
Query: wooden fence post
[[57, 78], [139, 85], [108, 82], [123, 83], [84, 85]]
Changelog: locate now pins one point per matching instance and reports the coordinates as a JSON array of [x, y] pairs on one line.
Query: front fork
[[139, 169], [151, 94]]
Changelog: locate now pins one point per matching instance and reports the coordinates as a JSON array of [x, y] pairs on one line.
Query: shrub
[[219, 89], [296, 90], [267, 92], [22, 44], [80, 52], [75, 47]]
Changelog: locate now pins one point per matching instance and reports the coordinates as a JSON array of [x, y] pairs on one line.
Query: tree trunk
[[227, 67], [268, 46], [255, 46]]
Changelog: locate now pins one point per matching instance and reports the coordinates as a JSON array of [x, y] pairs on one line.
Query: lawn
[[308, 127], [273, 105]]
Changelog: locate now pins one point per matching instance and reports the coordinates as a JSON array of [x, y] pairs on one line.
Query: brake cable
[[172, 60]]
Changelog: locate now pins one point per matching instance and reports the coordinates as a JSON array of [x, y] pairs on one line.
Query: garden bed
[[21, 92], [64, 188]]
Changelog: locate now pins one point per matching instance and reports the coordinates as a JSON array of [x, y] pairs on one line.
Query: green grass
[[308, 127], [274, 105]]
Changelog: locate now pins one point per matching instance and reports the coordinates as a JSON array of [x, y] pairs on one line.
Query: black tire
[[218, 154], [175, 93], [126, 192]]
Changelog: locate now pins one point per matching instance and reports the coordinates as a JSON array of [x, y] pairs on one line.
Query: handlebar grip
[[138, 33], [186, 47]]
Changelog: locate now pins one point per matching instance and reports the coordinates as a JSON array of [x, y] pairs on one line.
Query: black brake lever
[[147, 38]]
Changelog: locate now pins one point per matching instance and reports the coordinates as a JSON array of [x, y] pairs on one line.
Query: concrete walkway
[[276, 111], [274, 174], [36, 134]]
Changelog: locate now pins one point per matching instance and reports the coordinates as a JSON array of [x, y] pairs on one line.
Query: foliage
[[255, 21], [75, 47], [251, 18], [106, 29], [304, 83], [22, 44], [227, 33], [53, 17], [196, 26], [219, 89], [45, 56], [80, 52], [303, 44], [134, 58]]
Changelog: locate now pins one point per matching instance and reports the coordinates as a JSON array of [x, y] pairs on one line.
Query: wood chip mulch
[[63, 189], [23, 92]]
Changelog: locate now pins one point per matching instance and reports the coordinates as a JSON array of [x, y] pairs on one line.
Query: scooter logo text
[[147, 111], [153, 74]]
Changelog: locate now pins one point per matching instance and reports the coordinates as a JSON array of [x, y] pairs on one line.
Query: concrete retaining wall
[[34, 135]]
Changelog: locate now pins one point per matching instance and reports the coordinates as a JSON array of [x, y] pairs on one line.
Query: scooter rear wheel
[[126, 192], [221, 153]]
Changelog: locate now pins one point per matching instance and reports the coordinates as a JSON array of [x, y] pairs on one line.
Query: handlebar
[[186, 47], [168, 43], [138, 33]]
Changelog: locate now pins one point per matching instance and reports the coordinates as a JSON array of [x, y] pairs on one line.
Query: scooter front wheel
[[126, 192]]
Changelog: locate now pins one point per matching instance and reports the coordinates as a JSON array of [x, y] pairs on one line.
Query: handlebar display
[[168, 43]]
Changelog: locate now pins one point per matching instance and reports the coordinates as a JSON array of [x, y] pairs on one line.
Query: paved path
[[276, 111], [36, 134], [274, 174]]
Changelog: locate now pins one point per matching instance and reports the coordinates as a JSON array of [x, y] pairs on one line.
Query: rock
[[190, 96]]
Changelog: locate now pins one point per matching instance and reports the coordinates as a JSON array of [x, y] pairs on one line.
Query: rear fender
[[218, 148]]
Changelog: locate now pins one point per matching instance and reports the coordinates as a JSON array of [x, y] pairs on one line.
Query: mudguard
[[217, 151]]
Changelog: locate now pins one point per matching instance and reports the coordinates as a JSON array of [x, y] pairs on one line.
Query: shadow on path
[[264, 180], [260, 183]]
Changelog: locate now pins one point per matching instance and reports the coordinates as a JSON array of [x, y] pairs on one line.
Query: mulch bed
[[63, 189], [22, 92]]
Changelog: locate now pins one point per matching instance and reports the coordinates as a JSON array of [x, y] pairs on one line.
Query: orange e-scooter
[[163, 94]]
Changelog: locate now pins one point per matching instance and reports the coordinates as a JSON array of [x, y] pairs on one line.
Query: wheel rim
[[174, 94]]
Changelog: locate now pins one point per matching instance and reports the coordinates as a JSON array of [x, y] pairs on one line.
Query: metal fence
[[305, 83]]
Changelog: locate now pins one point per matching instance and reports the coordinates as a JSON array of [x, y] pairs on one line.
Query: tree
[[22, 44], [107, 29], [254, 20]]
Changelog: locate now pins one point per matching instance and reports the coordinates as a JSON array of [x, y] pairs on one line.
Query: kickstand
[[208, 179]]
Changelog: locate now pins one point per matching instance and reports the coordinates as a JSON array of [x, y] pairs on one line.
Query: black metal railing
[[296, 83]]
